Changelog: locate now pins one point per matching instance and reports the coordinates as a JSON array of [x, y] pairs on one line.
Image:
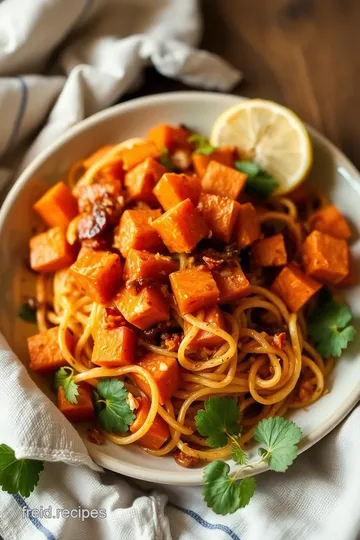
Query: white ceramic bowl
[[332, 173]]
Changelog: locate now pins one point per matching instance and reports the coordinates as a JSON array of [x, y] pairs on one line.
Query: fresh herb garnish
[[220, 422], [27, 313], [329, 326], [166, 161], [112, 410], [258, 182], [18, 475], [64, 378], [202, 144]]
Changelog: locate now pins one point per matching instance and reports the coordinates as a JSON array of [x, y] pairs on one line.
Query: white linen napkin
[[61, 61]]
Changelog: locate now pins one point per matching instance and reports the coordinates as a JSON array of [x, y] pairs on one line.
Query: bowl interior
[[332, 174]]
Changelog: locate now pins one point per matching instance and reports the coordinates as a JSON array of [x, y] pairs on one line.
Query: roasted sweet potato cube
[[136, 152], [330, 221], [294, 287], [222, 180], [351, 278], [50, 251], [247, 228], [159, 431], [220, 215], [270, 251], [135, 231], [181, 227], [98, 274], [142, 308], [97, 155], [142, 179], [170, 137], [232, 283], [114, 347], [214, 316], [83, 410], [173, 188], [224, 155], [165, 370], [44, 350], [194, 289], [57, 206], [143, 264], [326, 258]]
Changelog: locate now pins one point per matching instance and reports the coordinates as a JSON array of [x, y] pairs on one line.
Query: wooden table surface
[[301, 53]]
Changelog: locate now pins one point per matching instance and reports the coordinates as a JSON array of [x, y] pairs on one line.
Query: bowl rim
[[193, 477]]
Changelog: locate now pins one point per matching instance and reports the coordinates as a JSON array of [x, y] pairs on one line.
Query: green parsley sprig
[[220, 423], [18, 475], [112, 410], [258, 181], [64, 378], [329, 325], [202, 144]]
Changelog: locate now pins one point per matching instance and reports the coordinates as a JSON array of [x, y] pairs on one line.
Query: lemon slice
[[269, 134]]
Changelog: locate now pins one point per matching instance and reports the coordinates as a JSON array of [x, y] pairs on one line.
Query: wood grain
[[302, 53]]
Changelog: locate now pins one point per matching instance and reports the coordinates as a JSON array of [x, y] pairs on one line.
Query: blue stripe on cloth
[[40, 527], [206, 524], [17, 124]]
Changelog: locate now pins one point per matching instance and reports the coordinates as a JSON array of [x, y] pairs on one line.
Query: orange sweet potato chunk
[[135, 231], [220, 215], [143, 264], [141, 180], [326, 258], [98, 274], [294, 287], [88, 195], [222, 180], [270, 251], [330, 221], [50, 251], [165, 370], [194, 289], [173, 188], [170, 137], [351, 278], [83, 410], [158, 432], [44, 350], [58, 206], [114, 347], [232, 283], [224, 155], [143, 308], [181, 227], [214, 316], [247, 228]]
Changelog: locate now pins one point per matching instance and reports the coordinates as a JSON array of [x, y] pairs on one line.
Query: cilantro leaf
[[238, 455], [113, 412], [262, 185], [222, 493], [280, 437], [219, 419], [18, 475], [248, 167], [258, 183], [64, 378], [165, 160], [329, 326], [202, 144], [27, 313]]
